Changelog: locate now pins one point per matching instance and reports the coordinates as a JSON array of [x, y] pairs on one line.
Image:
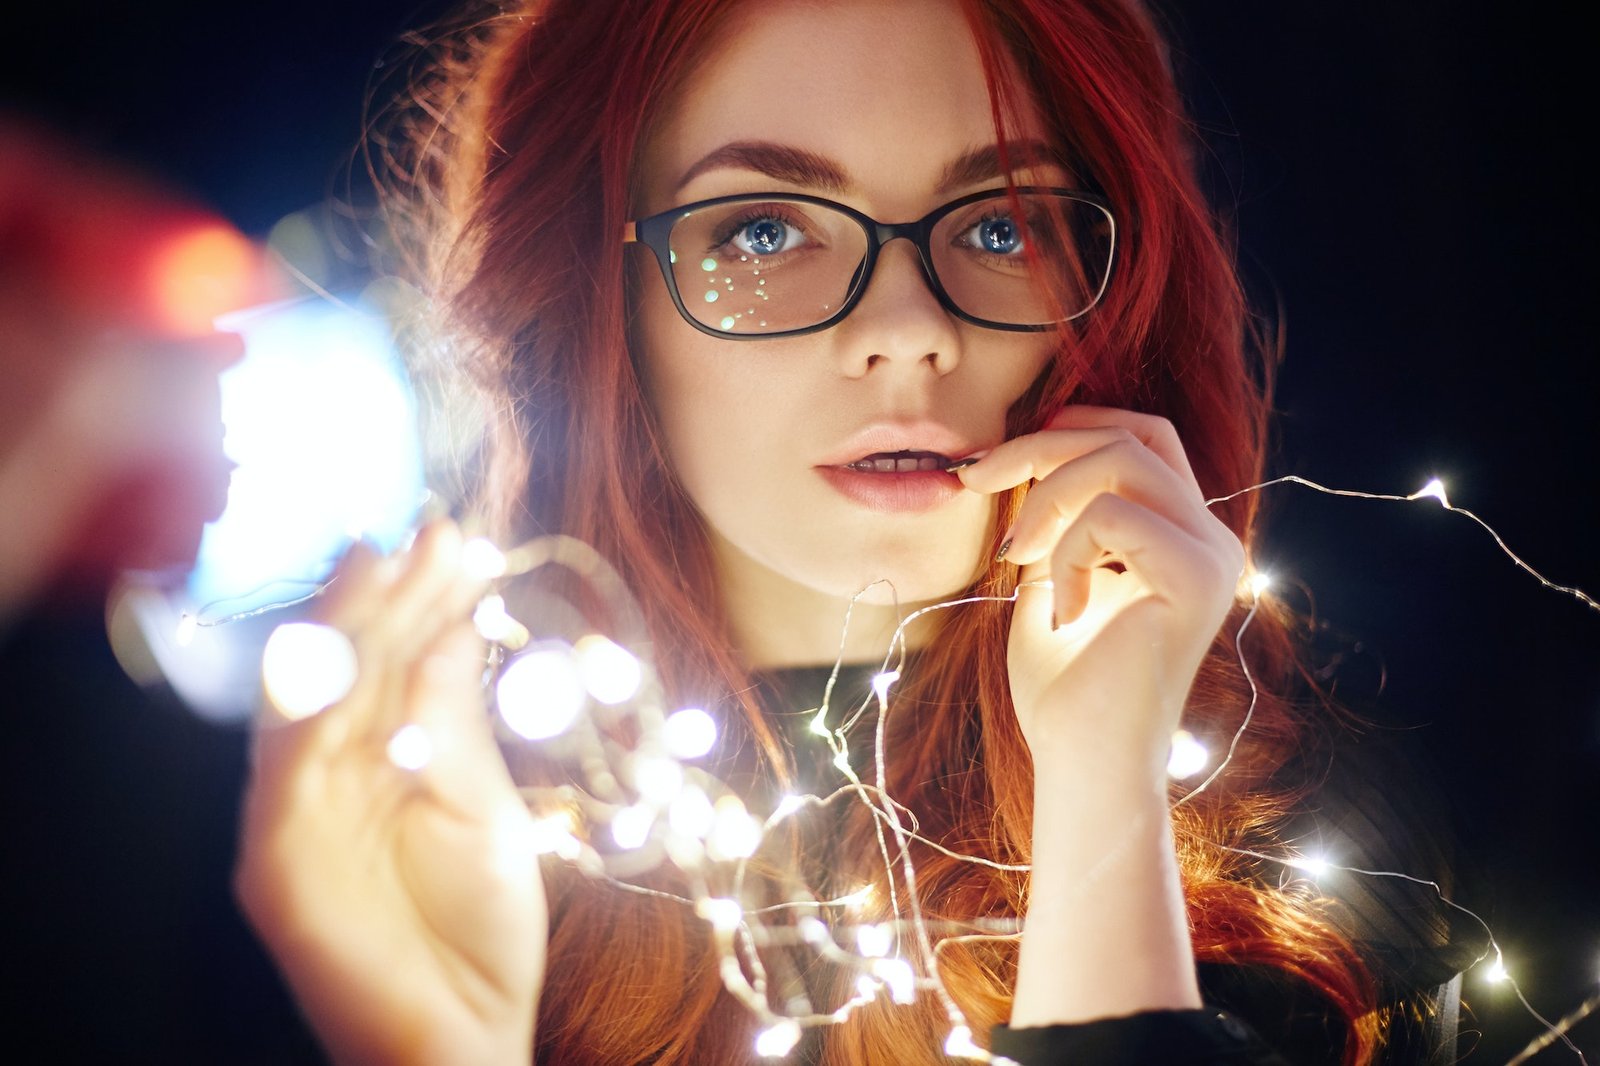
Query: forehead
[[891, 90]]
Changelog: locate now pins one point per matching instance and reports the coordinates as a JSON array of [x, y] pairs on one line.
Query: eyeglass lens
[[774, 265]]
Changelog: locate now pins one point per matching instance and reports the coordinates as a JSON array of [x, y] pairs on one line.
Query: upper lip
[[884, 437]]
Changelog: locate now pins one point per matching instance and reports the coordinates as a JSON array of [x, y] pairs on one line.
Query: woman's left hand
[[1101, 665]]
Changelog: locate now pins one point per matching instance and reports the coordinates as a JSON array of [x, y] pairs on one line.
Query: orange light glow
[[200, 273]]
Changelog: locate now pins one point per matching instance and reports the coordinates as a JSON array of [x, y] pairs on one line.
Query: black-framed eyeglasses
[[763, 265]]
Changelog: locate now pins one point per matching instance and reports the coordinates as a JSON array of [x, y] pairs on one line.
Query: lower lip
[[915, 490]]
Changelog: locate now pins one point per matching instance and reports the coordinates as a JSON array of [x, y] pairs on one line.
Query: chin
[[908, 577]]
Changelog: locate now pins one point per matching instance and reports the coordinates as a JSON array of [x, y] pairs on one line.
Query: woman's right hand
[[404, 907]]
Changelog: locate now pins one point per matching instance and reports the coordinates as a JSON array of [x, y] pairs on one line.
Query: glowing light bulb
[[1260, 582], [788, 805], [491, 621], [734, 834], [691, 814], [1496, 971], [1434, 488], [819, 724], [867, 988], [657, 779], [1315, 865], [188, 625], [841, 762], [554, 834], [610, 672], [881, 682], [723, 914], [778, 1040], [689, 733], [410, 748], [630, 827], [306, 667], [480, 559], [1188, 755], [897, 974], [540, 693], [874, 941], [814, 930], [959, 1045]]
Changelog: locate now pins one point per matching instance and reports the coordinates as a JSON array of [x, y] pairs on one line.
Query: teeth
[[907, 464]]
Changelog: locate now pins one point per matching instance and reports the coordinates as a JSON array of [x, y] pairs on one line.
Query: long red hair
[[519, 158]]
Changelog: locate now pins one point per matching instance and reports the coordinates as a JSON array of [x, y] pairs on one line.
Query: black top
[[1373, 810]]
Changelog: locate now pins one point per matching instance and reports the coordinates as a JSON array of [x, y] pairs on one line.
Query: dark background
[[1406, 180]]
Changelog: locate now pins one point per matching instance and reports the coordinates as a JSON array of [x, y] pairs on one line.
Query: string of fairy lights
[[640, 798]]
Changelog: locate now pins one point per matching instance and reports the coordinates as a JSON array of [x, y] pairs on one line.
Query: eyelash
[[755, 213]]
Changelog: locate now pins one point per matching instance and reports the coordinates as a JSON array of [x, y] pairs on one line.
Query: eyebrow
[[794, 166], [981, 164], [797, 166]]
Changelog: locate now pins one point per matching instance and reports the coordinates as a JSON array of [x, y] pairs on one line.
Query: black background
[[1407, 180]]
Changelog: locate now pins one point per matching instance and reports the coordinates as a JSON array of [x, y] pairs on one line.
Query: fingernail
[[961, 464], [1000, 555]]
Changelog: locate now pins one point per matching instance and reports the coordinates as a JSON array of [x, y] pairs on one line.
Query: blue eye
[[767, 236], [998, 236]]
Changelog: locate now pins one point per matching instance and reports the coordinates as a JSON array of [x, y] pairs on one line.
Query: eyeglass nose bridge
[[919, 233]]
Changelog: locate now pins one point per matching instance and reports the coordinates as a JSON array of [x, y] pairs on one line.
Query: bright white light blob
[[482, 560], [897, 974], [410, 748], [881, 682], [1496, 971], [610, 672], [491, 621], [690, 733], [1315, 865], [323, 427], [540, 692], [723, 914], [691, 813], [554, 834], [630, 827], [734, 834], [814, 930], [959, 1045], [306, 667], [778, 1040], [1434, 488], [1188, 756], [874, 941], [788, 805], [657, 779], [1259, 583]]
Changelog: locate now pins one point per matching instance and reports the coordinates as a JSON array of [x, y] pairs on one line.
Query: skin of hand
[[1098, 696], [110, 418], [405, 907]]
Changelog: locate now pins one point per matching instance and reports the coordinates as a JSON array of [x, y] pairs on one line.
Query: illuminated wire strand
[[739, 934]]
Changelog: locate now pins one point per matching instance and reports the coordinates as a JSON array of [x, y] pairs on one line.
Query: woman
[[969, 412]]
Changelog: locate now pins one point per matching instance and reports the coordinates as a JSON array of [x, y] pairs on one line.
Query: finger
[[1154, 432], [1169, 562], [409, 617], [450, 711], [357, 589], [1123, 467], [1034, 456]]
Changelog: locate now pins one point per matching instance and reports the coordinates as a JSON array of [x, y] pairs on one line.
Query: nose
[[899, 323]]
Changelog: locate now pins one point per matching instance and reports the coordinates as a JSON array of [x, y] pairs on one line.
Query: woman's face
[[885, 102]]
